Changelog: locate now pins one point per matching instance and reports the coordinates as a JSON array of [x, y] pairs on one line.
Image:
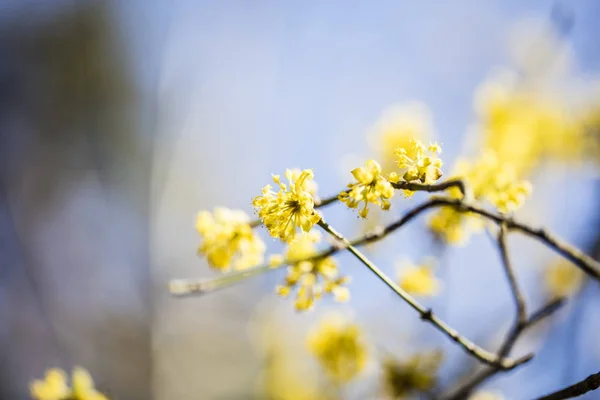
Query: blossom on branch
[[312, 276], [291, 209], [370, 187]]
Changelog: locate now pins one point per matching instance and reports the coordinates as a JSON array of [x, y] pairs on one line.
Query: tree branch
[[465, 388], [589, 384], [427, 314]]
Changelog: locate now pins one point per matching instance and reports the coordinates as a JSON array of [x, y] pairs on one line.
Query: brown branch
[[426, 314], [465, 389], [522, 322], [586, 263], [589, 384], [517, 294]]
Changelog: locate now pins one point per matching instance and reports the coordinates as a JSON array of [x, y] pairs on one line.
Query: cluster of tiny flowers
[[371, 187], [312, 277], [491, 181], [54, 386], [290, 209], [228, 239], [420, 164], [418, 280], [339, 347], [418, 374]]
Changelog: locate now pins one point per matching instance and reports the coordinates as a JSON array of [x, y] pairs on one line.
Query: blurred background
[[119, 121]]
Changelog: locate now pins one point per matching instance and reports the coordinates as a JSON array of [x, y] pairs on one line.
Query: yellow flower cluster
[[417, 374], [228, 239], [490, 181], [55, 386], [524, 126], [371, 187], [397, 127], [313, 277], [420, 164], [290, 209], [418, 280], [339, 347], [563, 279]]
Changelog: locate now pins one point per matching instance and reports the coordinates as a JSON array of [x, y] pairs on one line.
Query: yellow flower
[[285, 211], [83, 386], [417, 374], [339, 347], [397, 126], [418, 279], [524, 125], [491, 181], [313, 277], [228, 239], [55, 386], [420, 164], [371, 187], [563, 279]]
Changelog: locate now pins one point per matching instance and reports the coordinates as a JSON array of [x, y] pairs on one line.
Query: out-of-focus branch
[[482, 355], [521, 323], [183, 287], [589, 384], [466, 387]]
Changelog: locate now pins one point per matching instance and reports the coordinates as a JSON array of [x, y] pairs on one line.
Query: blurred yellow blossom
[[397, 126], [563, 279], [491, 181], [339, 347], [486, 395], [228, 239], [524, 125], [418, 280], [55, 386], [290, 208], [417, 374], [419, 163], [371, 187], [313, 277], [282, 381]]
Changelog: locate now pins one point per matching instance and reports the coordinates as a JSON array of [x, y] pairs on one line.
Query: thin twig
[[592, 267], [589, 384], [475, 380], [517, 294], [427, 314]]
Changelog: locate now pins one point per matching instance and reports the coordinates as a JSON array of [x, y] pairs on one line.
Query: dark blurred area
[[74, 178]]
